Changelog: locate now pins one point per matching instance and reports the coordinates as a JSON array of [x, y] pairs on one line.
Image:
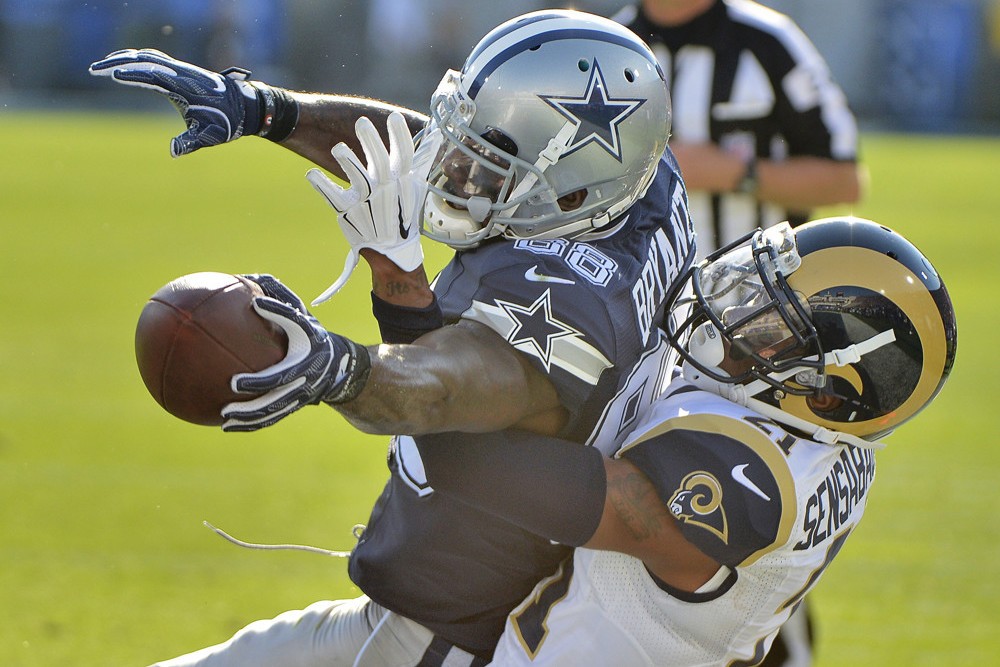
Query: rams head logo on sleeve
[[698, 502]]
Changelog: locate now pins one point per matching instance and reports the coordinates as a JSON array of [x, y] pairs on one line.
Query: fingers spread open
[[375, 152], [400, 145]]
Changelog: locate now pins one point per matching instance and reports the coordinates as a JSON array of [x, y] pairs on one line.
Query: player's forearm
[[326, 120], [797, 183], [403, 394], [568, 493], [396, 286], [637, 521], [411, 392], [459, 378], [805, 183]]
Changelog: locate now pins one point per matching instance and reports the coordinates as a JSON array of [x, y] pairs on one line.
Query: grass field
[[103, 558]]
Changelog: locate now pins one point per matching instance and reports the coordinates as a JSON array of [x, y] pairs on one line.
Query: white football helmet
[[840, 328], [554, 127]]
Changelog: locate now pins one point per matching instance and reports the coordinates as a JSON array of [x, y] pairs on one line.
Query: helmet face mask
[[840, 324], [548, 104], [473, 174], [465, 170], [746, 315]]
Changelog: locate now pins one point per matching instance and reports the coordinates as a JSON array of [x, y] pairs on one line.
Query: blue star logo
[[535, 327], [595, 115]]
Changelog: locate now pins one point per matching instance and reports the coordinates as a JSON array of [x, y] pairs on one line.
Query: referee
[[761, 131]]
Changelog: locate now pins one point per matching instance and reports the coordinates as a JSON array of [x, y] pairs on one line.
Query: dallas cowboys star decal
[[595, 115], [535, 327]]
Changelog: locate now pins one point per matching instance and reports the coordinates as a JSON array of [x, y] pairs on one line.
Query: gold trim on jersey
[[534, 611], [761, 443], [885, 276]]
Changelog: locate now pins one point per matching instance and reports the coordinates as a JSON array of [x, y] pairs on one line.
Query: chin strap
[[816, 432], [549, 156], [848, 355], [852, 354], [744, 394]]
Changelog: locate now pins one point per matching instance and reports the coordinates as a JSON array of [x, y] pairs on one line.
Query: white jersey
[[773, 508]]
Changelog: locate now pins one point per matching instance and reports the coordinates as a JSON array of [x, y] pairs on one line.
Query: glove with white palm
[[320, 366], [380, 209]]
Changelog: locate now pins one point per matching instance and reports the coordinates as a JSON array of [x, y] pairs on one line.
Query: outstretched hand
[[217, 107], [319, 367], [381, 208]]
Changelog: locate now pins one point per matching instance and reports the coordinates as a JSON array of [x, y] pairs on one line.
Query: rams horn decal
[[699, 502]]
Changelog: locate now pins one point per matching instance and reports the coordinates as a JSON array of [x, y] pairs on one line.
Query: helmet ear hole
[[501, 140], [823, 403], [572, 200]]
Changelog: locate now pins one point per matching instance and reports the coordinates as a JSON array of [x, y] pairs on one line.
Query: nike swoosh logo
[[219, 81], [534, 276], [404, 233], [741, 477]]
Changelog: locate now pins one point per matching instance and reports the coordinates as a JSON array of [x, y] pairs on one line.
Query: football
[[194, 334]]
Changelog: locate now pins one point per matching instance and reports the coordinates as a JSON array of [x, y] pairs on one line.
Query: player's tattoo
[[396, 288], [392, 284], [637, 504]]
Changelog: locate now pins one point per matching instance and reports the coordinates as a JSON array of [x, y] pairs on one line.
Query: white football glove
[[381, 207]]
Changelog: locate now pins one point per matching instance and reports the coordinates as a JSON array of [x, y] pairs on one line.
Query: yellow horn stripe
[[882, 274]]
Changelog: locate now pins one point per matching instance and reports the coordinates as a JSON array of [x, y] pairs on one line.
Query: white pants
[[348, 633]]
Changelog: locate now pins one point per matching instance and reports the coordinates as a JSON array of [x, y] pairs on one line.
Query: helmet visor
[[744, 292], [465, 168]]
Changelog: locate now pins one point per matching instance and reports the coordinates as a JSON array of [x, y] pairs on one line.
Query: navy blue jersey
[[586, 313]]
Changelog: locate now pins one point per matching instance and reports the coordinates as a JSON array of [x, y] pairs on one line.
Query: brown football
[[194, 334]]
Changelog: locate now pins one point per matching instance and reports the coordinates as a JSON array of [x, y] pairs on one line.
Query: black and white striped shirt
[[746, 78]]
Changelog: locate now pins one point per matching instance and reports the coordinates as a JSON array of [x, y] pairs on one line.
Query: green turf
[[103, 558]]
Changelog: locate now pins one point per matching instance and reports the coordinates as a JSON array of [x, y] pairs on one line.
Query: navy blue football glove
[[319, 367], [217, 107]]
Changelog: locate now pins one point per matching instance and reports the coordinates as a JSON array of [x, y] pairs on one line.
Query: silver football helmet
[[840, 328], [554, 127]]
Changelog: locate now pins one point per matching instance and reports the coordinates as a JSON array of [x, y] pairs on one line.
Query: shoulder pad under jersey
[[725, 479]]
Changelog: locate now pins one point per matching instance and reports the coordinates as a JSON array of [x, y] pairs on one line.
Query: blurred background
[[914, 65], [104, 560]]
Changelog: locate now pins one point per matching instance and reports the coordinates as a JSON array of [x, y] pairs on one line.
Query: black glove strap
[[402, 324], [358, 370], [280, 112]]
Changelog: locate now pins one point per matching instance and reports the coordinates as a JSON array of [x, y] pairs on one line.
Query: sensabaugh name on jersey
[[833, 501], [664, 262]]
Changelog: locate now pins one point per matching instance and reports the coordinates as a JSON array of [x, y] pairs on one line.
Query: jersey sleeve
[[583, 311], [726, 482], [528, 295]]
